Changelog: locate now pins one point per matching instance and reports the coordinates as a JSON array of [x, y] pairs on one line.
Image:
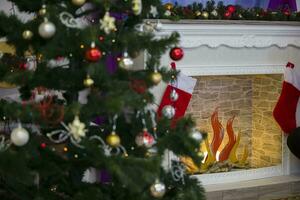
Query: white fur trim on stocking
[[291, 75]]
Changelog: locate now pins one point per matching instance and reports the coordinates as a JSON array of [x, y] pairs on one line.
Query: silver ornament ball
[[47, 29], [174, 95], [214, 13], [168, 111], [158, 189], [19, 136], [196, 135], [126, 62]]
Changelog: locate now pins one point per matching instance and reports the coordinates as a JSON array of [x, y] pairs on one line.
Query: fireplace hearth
[[239, 67]]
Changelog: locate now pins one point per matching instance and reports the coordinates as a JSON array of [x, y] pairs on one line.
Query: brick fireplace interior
[[251, 99]]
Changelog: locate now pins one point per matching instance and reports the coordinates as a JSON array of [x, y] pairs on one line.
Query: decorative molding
[[234, 48], [210, 70], [235, 35], [242, 175], [3, 39], [240, 42]]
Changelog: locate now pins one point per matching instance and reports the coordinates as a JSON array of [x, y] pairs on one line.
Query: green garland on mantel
[[221, 12]]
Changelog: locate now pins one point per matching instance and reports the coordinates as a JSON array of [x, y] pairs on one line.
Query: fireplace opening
[[236, 112]]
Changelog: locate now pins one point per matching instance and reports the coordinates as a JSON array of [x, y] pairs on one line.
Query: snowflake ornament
[[4, 144], [77, 129], [107, 23]]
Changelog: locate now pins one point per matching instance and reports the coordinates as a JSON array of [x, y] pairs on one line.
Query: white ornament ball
[[47, 29], [174, 95], [196, 135], [158, 189], [214, 13], [168, 111], [19, 136]]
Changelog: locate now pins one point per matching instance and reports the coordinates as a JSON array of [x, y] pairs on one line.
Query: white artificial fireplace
[[214, 48]]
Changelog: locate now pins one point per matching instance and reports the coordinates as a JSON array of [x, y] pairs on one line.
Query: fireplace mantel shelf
[[234, 47], [235, 34]]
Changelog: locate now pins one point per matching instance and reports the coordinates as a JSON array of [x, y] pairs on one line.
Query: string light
[[101, 38], [66, 149]]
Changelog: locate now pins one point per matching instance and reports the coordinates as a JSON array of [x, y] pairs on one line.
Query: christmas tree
[[82, 127]]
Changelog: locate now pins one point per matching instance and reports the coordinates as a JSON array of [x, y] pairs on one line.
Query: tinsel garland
[[213, 11]]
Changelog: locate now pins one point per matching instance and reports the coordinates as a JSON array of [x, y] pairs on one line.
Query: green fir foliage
[[217, 12], [44, 170]]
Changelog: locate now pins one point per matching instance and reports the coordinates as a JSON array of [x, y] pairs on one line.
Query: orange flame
[[218, 132], [228, 152], [224, 155]]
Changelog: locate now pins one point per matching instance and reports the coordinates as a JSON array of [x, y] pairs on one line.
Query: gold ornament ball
[[169, 6], [156, 77], [42, 11], [88, 82], [113, 140], [198, 13], [78, 2], [205, 15], [27, 34]]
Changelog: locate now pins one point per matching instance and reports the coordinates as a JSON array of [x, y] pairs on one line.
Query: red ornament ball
[[176, 53], [231, 9], [93, 54], [145, 139], [139, 86], [287, 12], [101, 38], [43, 145], [23, 65], [227, 14]]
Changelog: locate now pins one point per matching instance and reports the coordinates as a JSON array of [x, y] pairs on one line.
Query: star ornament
[[153, 11], [107, 23], [77, 129]]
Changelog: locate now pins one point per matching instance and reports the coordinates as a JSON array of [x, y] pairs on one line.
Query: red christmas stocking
[[183, 89], [287, 109]]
